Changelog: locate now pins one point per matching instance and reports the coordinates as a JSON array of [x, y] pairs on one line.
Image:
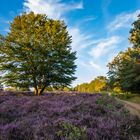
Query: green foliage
[[128, 97], [11, 89], [1, 45], [82, 88], [125, 67], [134, 99], [37, 53], [71, 132], [117, 87], [100, 101], [97, 85], [1, 86], [1, 40], [58, 88], [125, 70], [135, 33]]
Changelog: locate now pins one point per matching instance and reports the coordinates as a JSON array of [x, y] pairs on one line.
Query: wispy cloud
[[81, 40], [89, 64], [4, 25], [104, 46], [87, 19], [53, 8], [2, 20], [95, 66], [123, 20], [87, 70]]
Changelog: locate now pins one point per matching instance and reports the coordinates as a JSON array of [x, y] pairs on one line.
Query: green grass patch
[[135, 99]]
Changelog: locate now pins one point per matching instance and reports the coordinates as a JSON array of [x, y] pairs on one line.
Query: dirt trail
[[132, 107]]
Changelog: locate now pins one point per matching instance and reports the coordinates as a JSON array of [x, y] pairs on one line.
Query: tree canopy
[[135, 33], [37, 53]]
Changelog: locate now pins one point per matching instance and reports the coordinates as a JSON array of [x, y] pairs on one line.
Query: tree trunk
[[40, 91], [35, 91]]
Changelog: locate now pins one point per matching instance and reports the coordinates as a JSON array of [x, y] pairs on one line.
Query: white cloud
[[94, 65], [4, 25], [88, 70], [87, 19], [89, 64], [123, 20], [104, 46], [80, 40], [53, 8], [2, 20]]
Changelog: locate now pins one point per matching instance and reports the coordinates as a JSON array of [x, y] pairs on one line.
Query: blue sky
[[99, 28]]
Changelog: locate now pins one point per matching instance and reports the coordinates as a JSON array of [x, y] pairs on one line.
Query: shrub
[[65, 117]]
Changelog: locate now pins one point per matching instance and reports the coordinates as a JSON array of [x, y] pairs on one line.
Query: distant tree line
[[97, 85]]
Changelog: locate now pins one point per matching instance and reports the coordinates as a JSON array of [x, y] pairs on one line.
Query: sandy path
[[132, 107]]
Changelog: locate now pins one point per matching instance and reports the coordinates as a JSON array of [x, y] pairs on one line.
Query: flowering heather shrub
[[65, 117]]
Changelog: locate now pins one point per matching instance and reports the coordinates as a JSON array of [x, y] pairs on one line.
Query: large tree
[[125, 68], [37, 53]]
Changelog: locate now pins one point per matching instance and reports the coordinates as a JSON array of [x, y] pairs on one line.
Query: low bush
[[65, 117]]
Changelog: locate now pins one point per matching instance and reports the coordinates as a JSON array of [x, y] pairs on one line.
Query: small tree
[[37, 53]]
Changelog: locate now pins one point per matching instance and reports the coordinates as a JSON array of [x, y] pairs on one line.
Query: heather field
[[65, 116]]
